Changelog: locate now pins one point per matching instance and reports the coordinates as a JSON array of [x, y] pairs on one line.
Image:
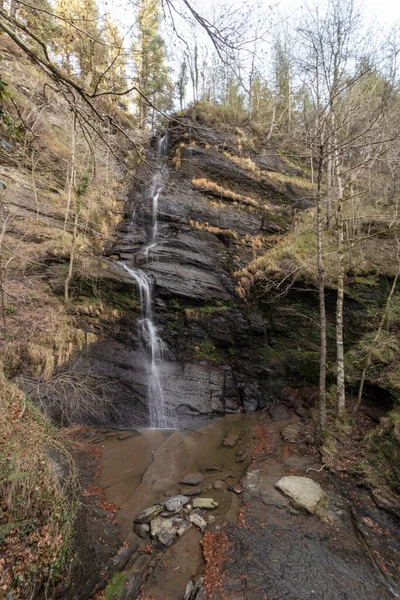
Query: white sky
[[385, 11]]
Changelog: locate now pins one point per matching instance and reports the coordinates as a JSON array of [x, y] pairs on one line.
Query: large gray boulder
[[303, 492]]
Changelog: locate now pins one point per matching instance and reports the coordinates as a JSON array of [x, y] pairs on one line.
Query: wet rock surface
[[212, 363]]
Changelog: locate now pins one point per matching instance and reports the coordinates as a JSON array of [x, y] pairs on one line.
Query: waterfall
[[153, 345], [151, 341]]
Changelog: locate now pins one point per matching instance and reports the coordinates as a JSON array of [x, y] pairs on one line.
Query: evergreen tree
[[81, 46], [152, 79]]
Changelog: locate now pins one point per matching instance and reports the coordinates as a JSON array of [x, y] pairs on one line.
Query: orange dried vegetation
[[216, 548]]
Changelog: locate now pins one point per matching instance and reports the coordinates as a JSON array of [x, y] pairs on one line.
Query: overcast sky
[[386, 11]]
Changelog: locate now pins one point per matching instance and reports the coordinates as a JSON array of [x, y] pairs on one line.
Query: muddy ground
[[257, 545]]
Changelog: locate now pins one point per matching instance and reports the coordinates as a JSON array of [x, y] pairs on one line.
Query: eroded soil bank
[[256, 543]]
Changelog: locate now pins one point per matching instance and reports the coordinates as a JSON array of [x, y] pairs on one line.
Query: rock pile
[[172, 517]]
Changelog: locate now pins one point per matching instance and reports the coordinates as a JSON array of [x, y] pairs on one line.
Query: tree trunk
[[71, 183], [322, 312], [340, 384], [71, 258], [329, 181]]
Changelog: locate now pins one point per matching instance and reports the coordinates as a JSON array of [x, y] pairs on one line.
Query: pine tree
[[81, 45], [152, 79]]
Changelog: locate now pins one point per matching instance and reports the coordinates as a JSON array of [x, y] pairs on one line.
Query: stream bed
[[256, 543]]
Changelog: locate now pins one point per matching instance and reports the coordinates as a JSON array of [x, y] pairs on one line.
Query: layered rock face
[[216, 212]]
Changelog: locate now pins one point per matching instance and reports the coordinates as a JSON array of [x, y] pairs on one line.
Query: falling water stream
[[158, 416]]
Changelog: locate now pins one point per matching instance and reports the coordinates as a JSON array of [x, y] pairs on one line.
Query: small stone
[[141, 529], [198, 521], [218, 484], [192, 479], [230, 440], [242, 456], [211, 469], [175, 503], [194, 492], [210, 519], [188, 507], [167, 515], [188, 591], [148, 514], [207, 503], [184, 528]]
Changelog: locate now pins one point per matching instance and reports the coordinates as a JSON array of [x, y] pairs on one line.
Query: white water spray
[[153, 344]]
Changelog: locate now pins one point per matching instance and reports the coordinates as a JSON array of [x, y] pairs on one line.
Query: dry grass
[[279, 179], [38, 496], [205, 185], [254, 242]]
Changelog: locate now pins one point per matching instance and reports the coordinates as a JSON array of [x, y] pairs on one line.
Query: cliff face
[[217, 211]]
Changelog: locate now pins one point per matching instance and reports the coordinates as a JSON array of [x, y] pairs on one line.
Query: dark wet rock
[[313, 568], [192, 479], [387, 500], [192, 492], [148, 514], [279, 412], [230, 440], [208, 503], [132, 585], [163, 531], [303, 492], [141, 529], [184, 528]]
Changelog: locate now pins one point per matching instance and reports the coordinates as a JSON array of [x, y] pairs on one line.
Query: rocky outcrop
[[212, 363]]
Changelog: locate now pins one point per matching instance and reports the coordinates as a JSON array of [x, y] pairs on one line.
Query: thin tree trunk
[[329, 181], [368, 358], [322, 312], [340, 378], [13, 9], [71, 258], [272, 125], [71, 183]]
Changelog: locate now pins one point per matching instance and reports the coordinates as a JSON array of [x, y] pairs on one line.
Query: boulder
[[303, 492], [163, 531], [175, 503]]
